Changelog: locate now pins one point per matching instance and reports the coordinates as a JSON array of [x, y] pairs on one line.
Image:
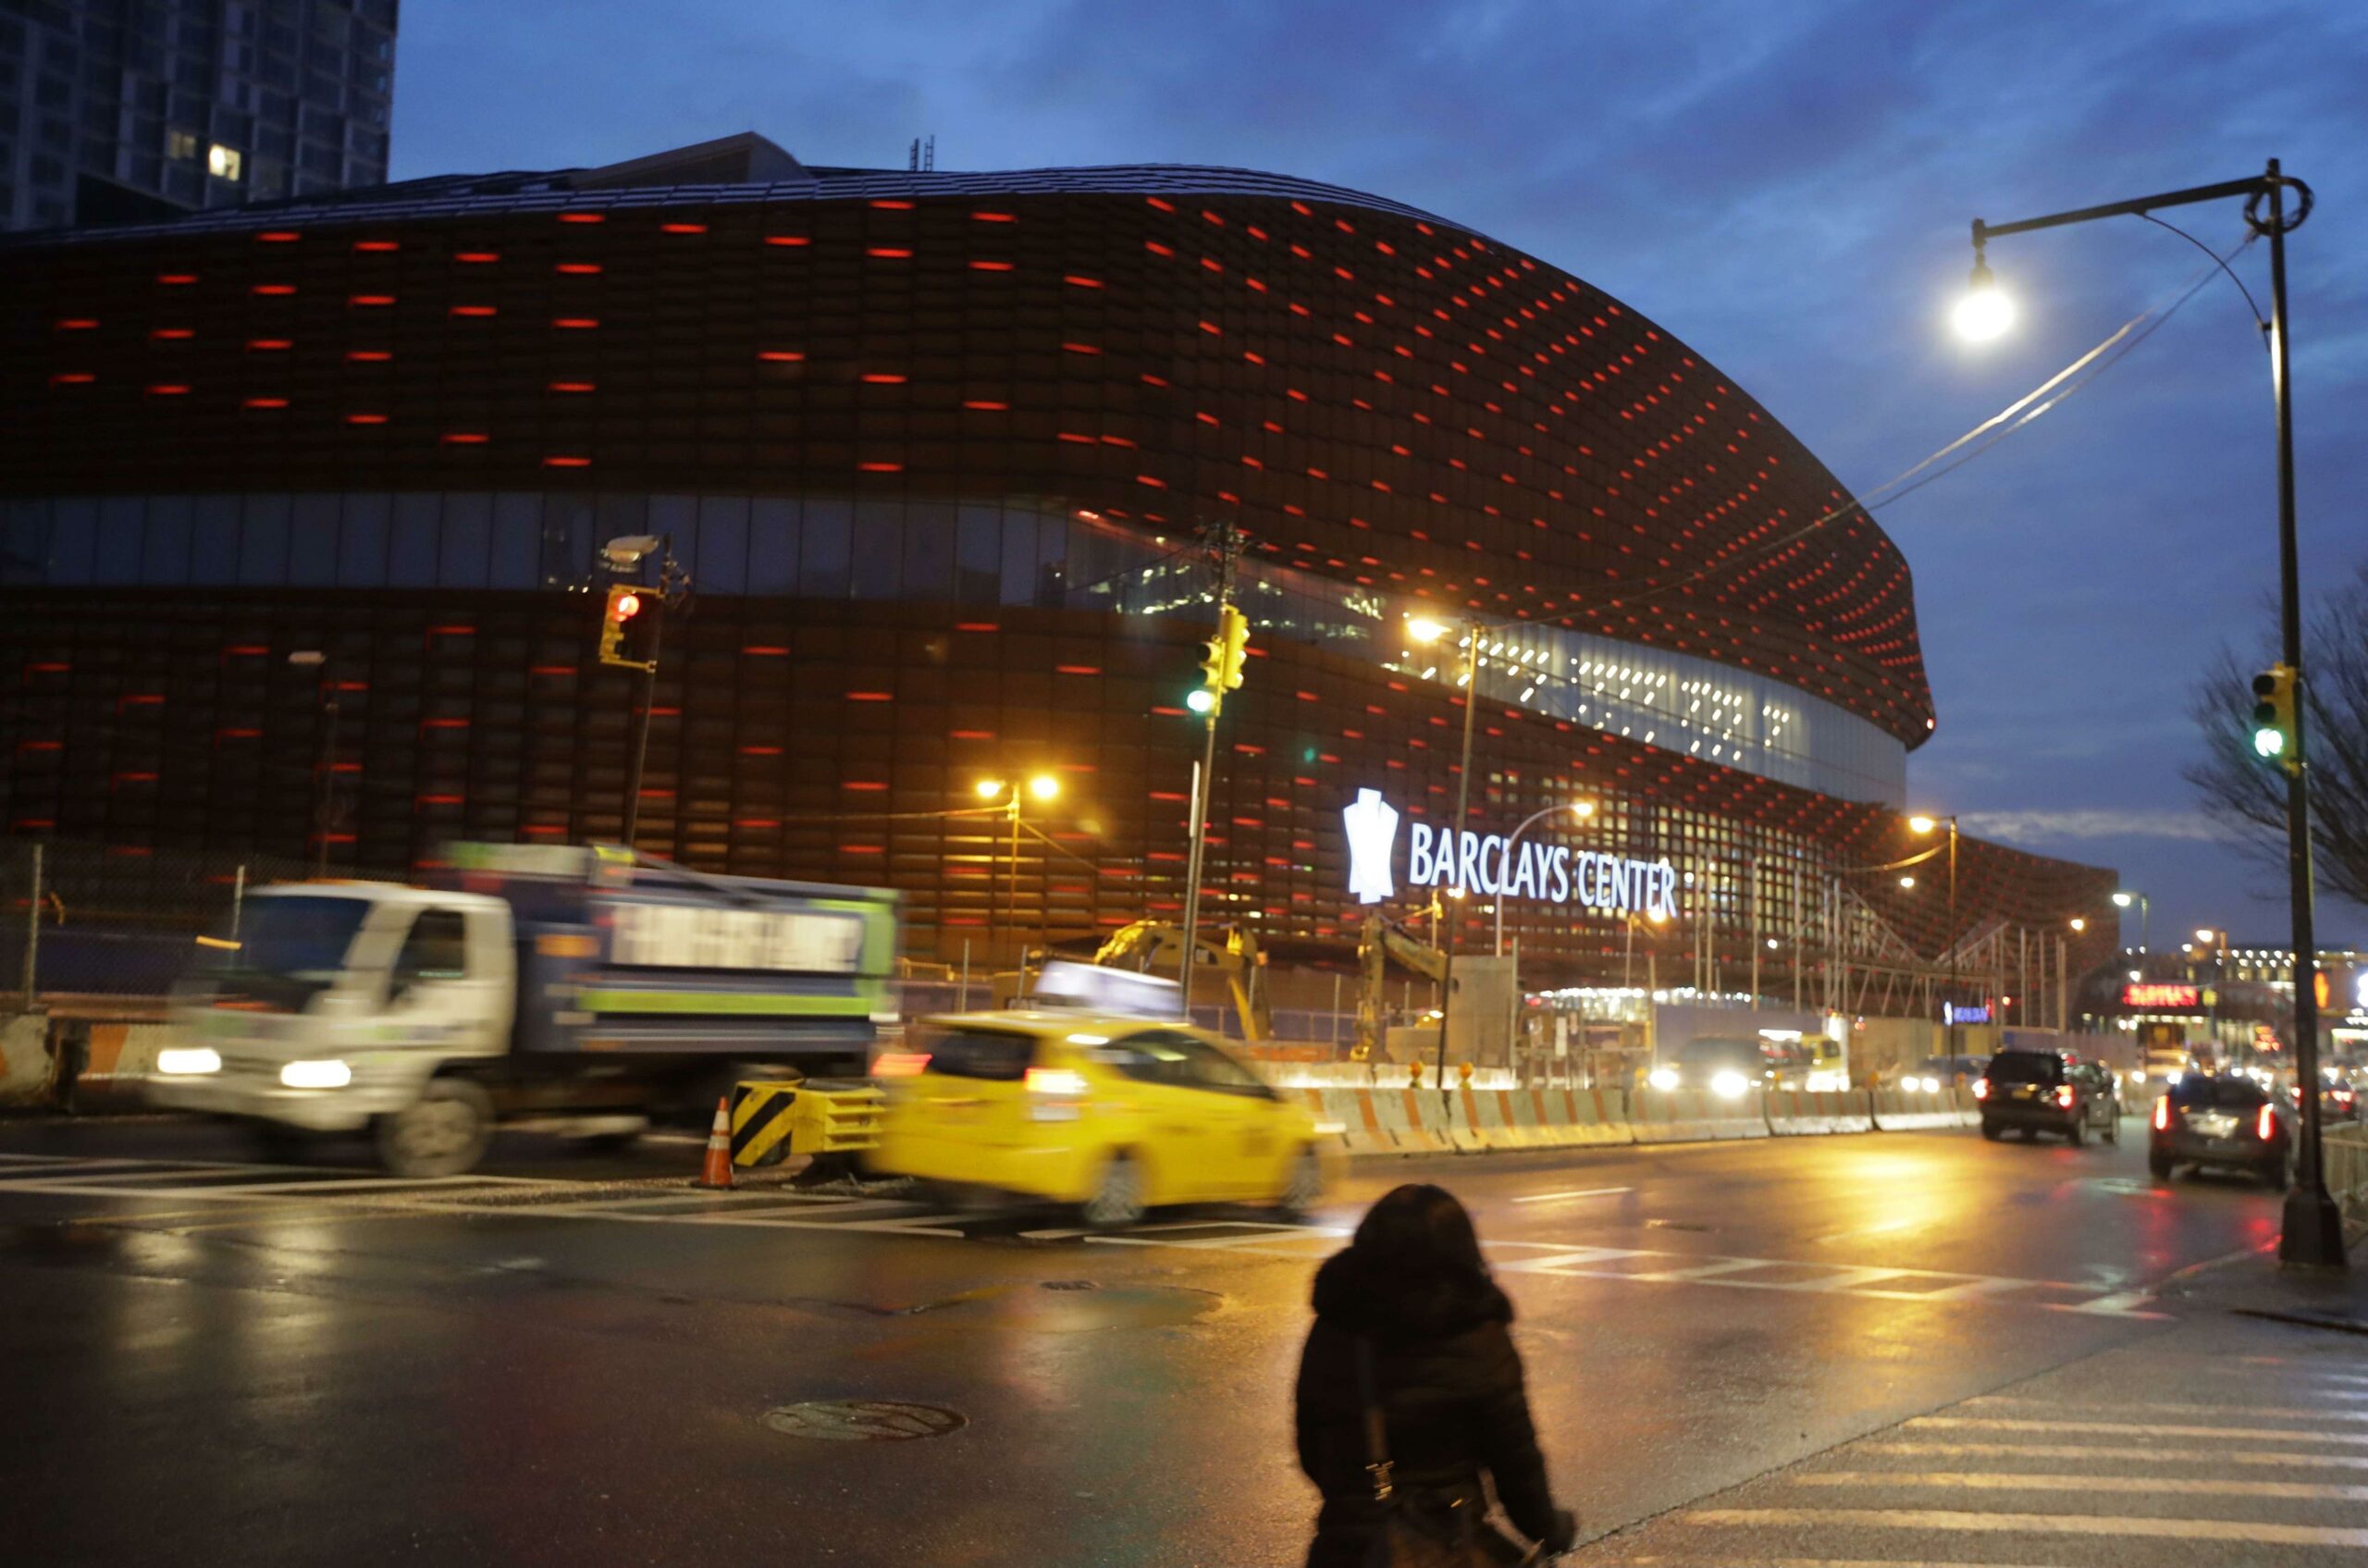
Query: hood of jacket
[[1353, 1293]]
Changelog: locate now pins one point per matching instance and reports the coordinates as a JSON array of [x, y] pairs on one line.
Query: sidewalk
[[2235, 1436], [2258, 1286]]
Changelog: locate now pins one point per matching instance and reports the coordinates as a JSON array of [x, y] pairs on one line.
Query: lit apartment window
[[222, 163], [180, 143]]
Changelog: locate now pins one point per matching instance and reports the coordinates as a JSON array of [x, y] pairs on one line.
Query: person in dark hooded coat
[[1412, 1285]]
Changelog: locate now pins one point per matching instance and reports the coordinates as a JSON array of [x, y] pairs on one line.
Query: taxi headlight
[[317, 1075], [1730, 1085], [187, 1061], [1664, 1078]]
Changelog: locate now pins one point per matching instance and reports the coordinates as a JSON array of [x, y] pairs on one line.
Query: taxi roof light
[[1055, 1081]]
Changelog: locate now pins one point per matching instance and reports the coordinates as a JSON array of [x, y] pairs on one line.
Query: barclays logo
[[1373, 832]]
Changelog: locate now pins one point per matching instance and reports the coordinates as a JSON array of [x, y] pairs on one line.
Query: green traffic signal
[[2274, 715]]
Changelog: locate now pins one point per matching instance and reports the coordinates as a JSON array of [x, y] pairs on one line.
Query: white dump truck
[[573, 981]]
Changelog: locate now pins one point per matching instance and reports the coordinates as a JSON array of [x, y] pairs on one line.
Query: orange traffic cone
[[717, 1172]]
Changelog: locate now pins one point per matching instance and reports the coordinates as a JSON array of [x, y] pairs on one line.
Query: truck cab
[[336, 1003]]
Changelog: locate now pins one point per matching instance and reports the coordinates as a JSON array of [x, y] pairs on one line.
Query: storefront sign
[[2162, 996], [1978, 1013], [1553, 873]]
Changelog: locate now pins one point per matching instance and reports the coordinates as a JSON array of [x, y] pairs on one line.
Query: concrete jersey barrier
[[1901, 1110], [1796, 1112], [1695, 1115]]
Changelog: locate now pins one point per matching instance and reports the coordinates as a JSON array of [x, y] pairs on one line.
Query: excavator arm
[[1158, 947]]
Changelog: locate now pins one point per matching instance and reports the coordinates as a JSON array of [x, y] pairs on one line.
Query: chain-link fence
[[91, 919]]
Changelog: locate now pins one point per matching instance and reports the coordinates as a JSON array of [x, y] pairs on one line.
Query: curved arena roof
[[1379, 396]]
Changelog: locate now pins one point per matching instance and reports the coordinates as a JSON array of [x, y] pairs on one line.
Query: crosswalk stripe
[[2244, 1530], [2002, 1481], [2149, 1428], [2077, 1451], [2270, 1412]]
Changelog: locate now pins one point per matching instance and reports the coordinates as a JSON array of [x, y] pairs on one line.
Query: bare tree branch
[[2248, 796]]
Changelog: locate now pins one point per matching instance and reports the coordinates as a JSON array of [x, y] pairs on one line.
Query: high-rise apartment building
[[115, 110]]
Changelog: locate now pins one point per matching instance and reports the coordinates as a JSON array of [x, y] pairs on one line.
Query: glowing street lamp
[[2079, 924], [1043, 786], [1986, 310], [1579, 810], [1907, 880]]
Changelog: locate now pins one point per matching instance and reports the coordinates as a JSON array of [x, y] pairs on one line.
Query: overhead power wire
[[2081, 373]]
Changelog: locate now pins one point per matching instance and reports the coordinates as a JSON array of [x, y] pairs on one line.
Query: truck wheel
[[2077, 1133], [441, 1134], [1118, 1200], [2160, 1165], [2112, 1127], [1303, 1185]]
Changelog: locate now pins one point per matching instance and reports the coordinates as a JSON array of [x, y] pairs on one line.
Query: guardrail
[[2346, 1158]]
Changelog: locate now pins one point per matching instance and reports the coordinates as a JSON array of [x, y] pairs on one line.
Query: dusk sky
[[1785, 187]]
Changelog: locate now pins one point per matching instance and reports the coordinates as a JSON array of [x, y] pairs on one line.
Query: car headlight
[[1730, 1085], [317, 1075], [1664, 1078], [187, 1061]]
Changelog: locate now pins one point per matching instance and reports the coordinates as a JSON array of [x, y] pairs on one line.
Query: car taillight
[[1982, 1089], [1055, 1081], [2162, 1114], [2063, 1095], [2266, 1122]]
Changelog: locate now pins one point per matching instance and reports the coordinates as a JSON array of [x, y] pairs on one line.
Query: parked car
[[2039, 1092], [2229, 1122]]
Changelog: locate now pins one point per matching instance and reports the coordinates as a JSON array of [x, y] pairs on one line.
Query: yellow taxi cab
[[1117, 1113]]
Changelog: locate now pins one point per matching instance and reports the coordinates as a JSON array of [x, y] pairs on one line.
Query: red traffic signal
[[628, 637]]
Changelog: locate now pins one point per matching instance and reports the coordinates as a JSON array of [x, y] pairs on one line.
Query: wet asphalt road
[[572, 1365]]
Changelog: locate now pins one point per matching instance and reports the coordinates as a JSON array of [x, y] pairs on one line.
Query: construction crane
[[1157, 948]]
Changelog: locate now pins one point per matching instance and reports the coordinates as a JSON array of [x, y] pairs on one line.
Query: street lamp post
[[1949, 1008], [324, 767], [1431, 631], [1582, 809], [1043, 786], [2123, 899], [2313, 1230]]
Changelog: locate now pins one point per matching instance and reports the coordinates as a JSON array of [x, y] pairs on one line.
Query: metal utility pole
[[1462, 826], [1226, 540], [626, 555], [2313, 1232]]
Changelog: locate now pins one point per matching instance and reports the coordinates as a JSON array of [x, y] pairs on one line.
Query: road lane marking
[[2243, 1530], [2107, 1450], [2270, 1412], [2009, 1481], [2269, 1434], [1583, 1192]]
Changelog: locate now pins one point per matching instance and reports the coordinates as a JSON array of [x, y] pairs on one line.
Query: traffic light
[[2274, 717], [1233, 630], [629, 629], [1221, 671]]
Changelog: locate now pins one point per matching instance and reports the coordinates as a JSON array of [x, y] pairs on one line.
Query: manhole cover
[[861, 1421], [1069, 1285]]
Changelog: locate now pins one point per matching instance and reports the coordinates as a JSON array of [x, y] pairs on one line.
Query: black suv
[[2229, 1122], [2047, 1091]]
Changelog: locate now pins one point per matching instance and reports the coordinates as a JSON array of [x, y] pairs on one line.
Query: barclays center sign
[[1553, 873]]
